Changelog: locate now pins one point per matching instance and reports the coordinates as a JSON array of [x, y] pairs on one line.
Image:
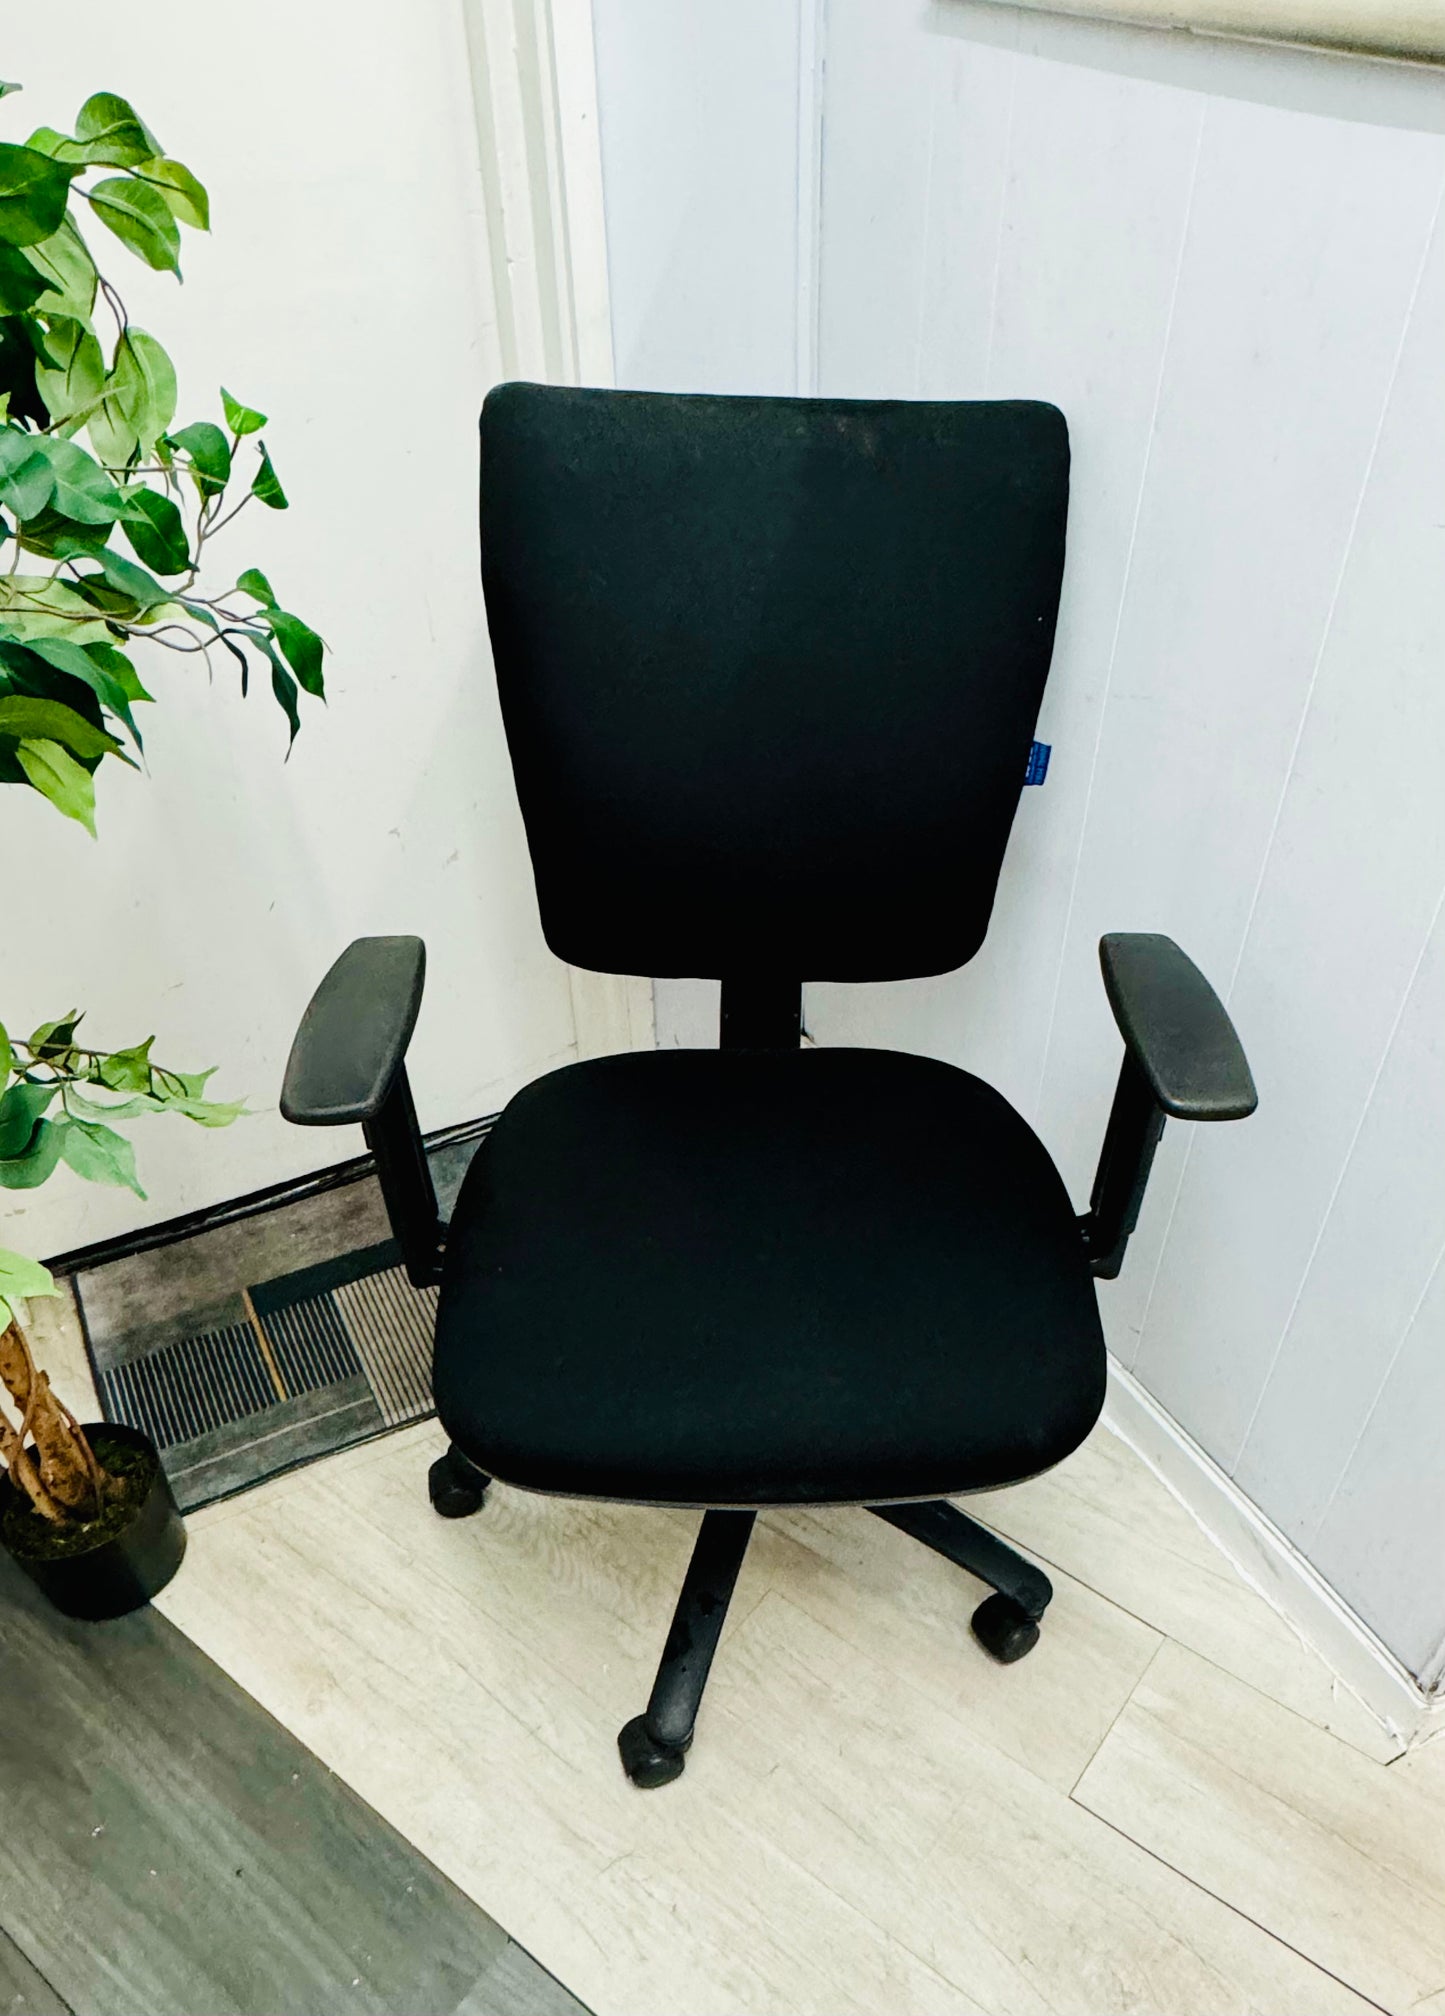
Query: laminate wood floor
[[1168, 1807], [1171, 1807], [168, 1849]]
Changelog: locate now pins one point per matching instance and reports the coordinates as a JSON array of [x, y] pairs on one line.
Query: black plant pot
[[124, 1570]]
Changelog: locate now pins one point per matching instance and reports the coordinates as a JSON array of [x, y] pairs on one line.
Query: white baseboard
[[1272, 1565]]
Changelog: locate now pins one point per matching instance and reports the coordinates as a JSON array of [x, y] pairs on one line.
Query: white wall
[[345, 292], [1225, 264], [698, 109]]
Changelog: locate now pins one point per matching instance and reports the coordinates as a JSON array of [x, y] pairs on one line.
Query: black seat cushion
[[701, 1277]]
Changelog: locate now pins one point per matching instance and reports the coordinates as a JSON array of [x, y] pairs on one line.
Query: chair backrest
[[769, 669]]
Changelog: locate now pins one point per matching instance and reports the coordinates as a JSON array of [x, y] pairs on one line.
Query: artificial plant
[[102, 549]]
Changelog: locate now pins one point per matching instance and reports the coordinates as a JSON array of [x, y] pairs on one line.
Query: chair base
[[647, 1762], [456, 1487], [966, 1544], [1005, 1631], [653, 1746]]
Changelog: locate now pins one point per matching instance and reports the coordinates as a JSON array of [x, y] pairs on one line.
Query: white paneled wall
[[1241, 306], [1227, 266], [698, 110]]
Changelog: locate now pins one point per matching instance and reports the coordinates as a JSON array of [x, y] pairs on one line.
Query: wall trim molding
[[539, 154], [539, 150], [812, 60], [1272, 1565]]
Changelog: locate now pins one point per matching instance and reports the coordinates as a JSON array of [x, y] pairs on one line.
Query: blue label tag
[[1038, 768]]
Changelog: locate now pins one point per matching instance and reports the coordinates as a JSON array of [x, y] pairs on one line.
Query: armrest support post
[[394, 1138], [1136, 1123], [347, 1065], [1181, 1058]]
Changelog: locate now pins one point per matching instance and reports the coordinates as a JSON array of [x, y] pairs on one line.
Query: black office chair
[[769, 670]]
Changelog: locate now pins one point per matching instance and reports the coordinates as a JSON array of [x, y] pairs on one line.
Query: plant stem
[[66, 1475]]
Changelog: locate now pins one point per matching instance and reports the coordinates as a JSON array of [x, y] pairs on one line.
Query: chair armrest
[[1176, 1028], [353, 1037], [348, 1064], [1181, 1057]]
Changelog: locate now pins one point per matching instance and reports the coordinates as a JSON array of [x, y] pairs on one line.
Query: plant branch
[[114, 303]]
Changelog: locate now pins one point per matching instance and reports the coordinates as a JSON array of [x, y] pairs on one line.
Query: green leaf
[[57, 776], [72, 381], [61, 538], [21, 1278], [64, 263], [29, 1171], [109, 121], [80, 488], [151, 396], [107, 672], [7, 1055], [303, 649], [6, 89], [39, 605], [99, 1154], [21, 338], [282, 684], [156, 531], [63, 656], [138, 216], [241, 659], [128, 1070], [106, 113], [49, 721], [53, 1039], [20, 284], [209, 452], [86, 1108], [20, 1112], [119, 667], [204, 1112], [45, 140], [267, 489], [178, 189], [140, 398], [285, 690], [26, 477], [208, 1112], [110, 605], [254, 582], [34, 191], [131, 581], [111, 434], [108, 134], [241, 419], [116, 152], [192, 1083]]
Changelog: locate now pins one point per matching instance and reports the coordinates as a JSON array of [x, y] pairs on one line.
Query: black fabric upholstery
[[702, 1277], [769, 669]]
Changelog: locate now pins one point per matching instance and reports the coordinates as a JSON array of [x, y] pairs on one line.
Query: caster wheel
[[455, 1491], [647, 1762], [1004, 1630]]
